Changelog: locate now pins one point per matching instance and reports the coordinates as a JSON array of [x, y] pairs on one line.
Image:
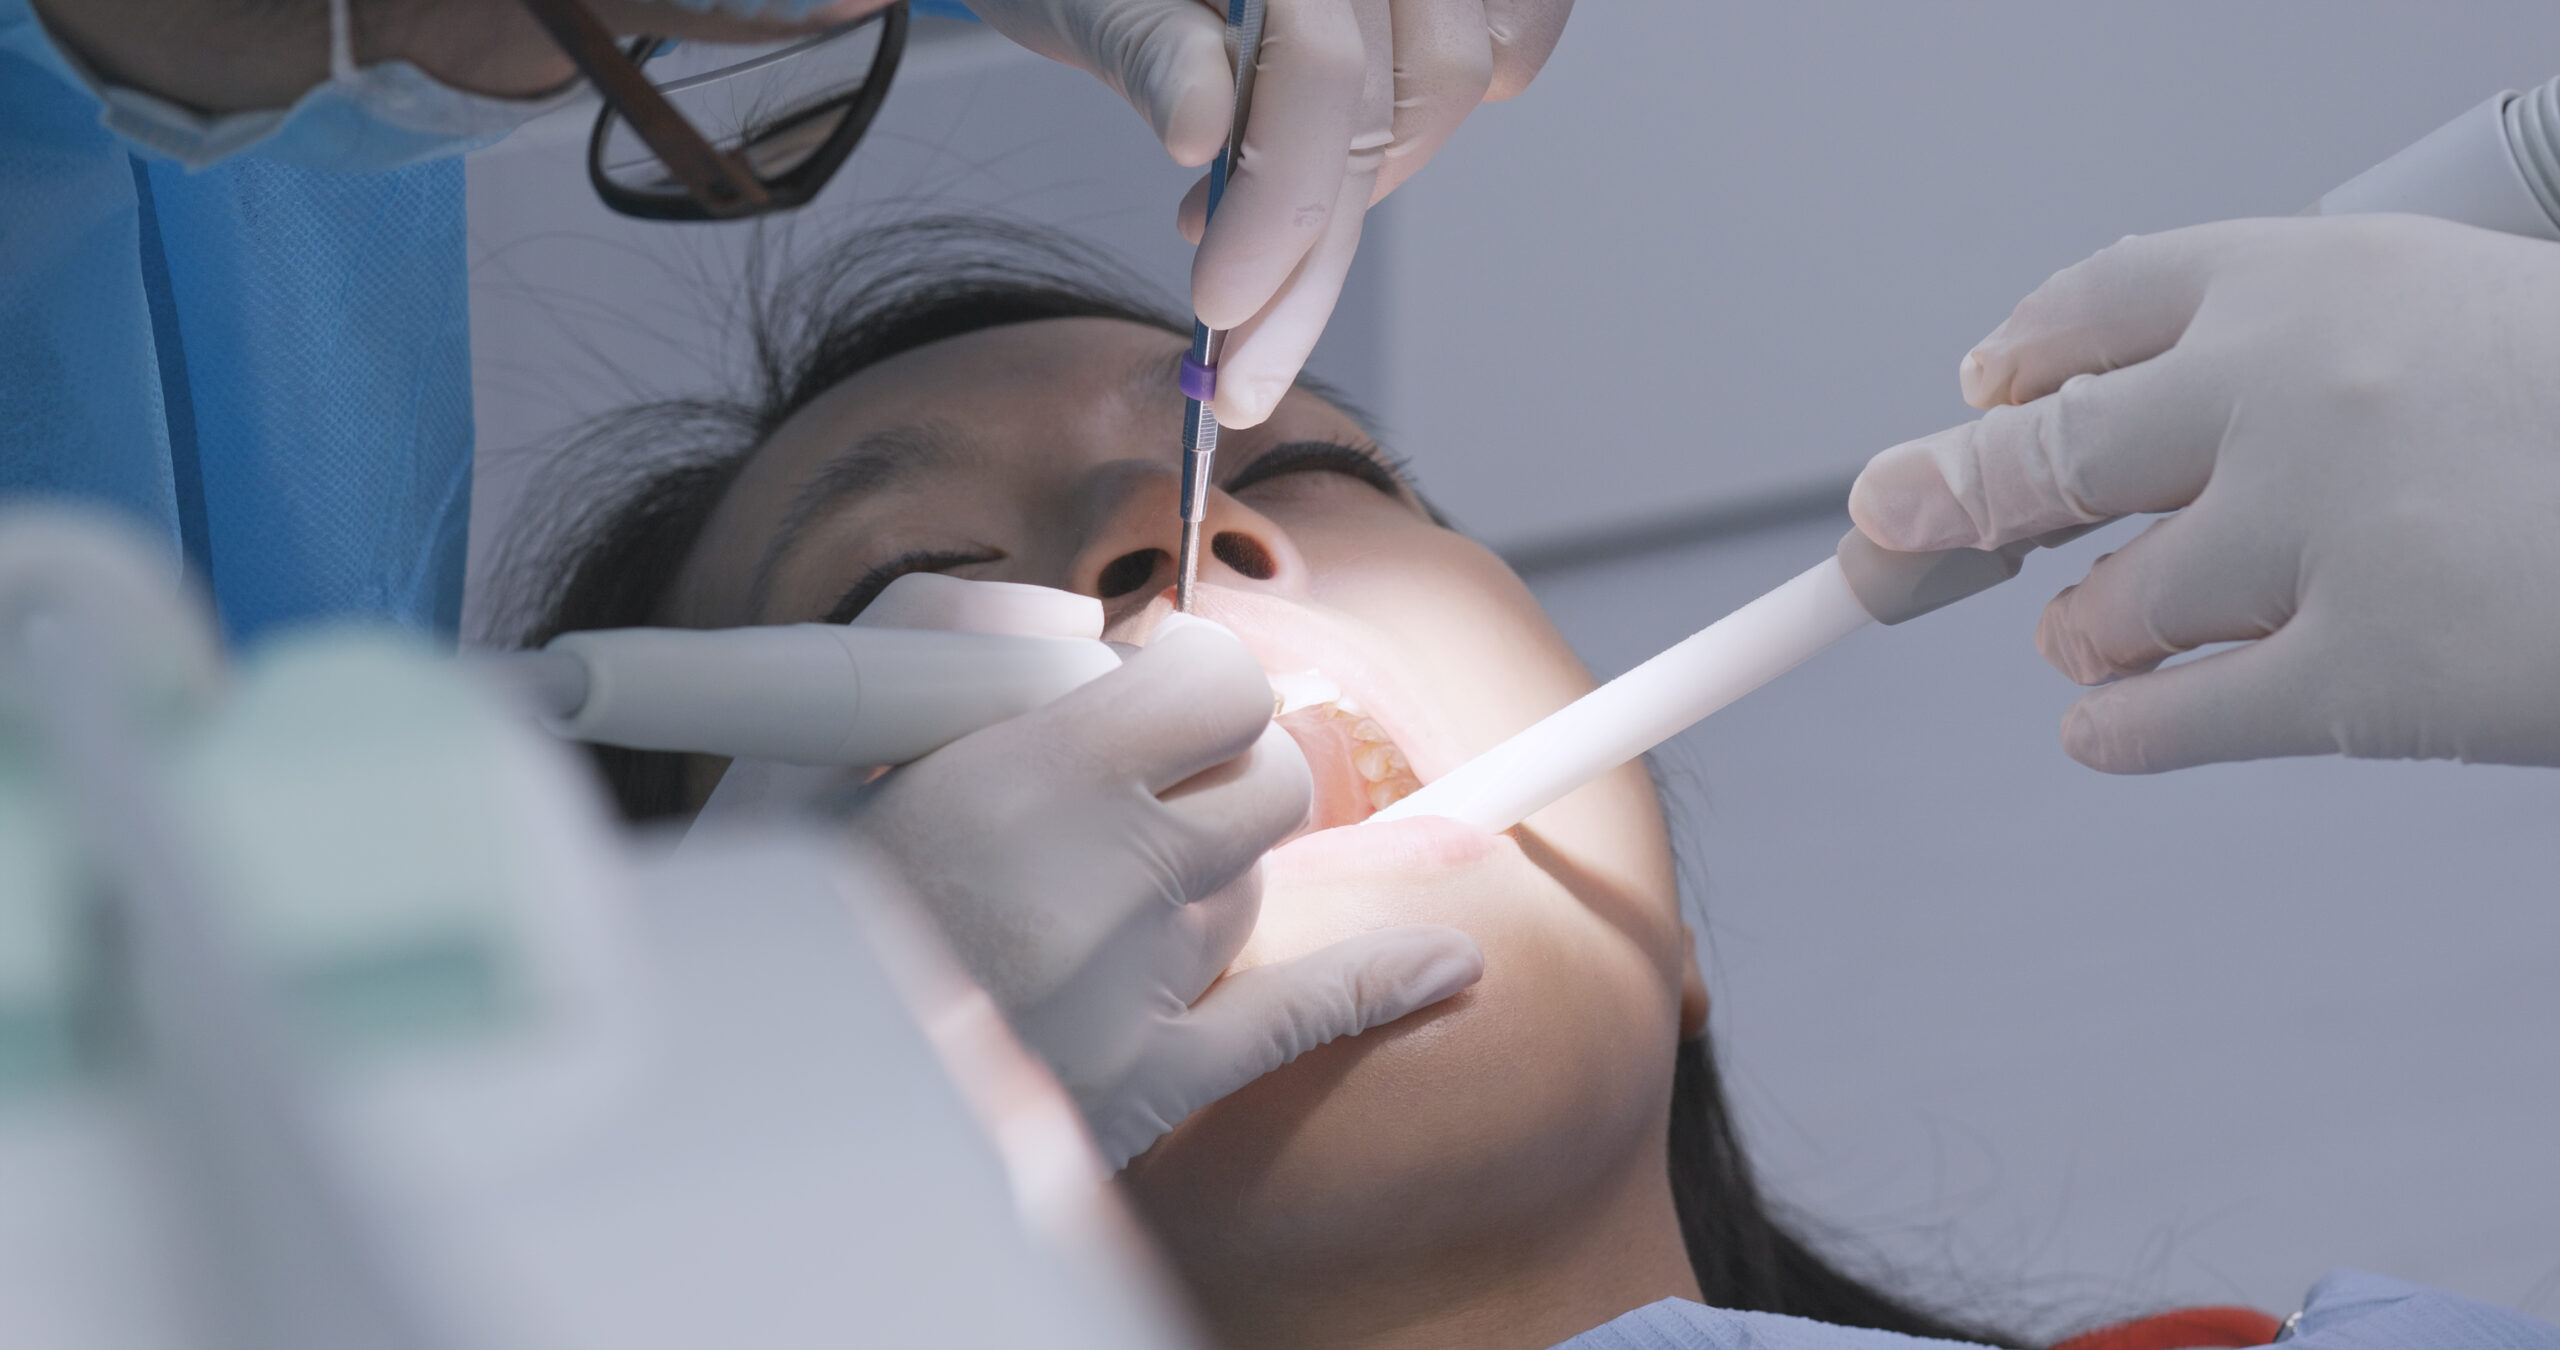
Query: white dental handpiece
[[809, 693], [1858, 585], [2496, 166]]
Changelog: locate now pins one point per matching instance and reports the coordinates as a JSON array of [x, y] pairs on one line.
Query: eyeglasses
[[722, 132]]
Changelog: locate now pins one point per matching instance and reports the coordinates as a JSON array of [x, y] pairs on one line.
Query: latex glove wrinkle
[[2354, 422]]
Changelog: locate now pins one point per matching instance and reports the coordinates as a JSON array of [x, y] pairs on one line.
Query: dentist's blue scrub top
[[2347, 1310], [269, 366]]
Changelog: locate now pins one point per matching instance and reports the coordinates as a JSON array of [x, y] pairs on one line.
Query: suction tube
[[1646, 706], [2496, 166], [1857, 585]]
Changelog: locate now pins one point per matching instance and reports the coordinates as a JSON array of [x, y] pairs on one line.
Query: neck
[[1514, 1290]]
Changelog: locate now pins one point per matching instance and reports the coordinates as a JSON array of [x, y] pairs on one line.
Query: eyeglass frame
[[718, 184]]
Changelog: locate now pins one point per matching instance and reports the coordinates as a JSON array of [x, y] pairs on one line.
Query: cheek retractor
[[1858, 585]]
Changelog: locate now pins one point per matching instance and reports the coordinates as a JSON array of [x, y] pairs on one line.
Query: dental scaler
[[1200, 364], [808, 693], [1857, 585]]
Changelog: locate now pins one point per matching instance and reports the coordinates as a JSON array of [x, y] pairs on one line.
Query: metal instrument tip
[[1188, 564]]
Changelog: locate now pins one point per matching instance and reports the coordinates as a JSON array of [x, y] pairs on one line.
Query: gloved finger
[[1192, 217], [958, 605], [1256, 1020], [1443, 66], [2251, 702], [1193, 697], [1091, 1017], [2122, 305], [2186, 581], [2133, 440], [1312, 112], [1262, 358], [1237, 811], [1168, 58], [1212, 828], [1524, 34]]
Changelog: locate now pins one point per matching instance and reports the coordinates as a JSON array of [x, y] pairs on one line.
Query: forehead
[[1031, 376], [1038, 393], [1029, 408]]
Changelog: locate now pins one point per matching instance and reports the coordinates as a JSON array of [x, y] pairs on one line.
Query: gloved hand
[[2357, 422], [1350, 97], [1096, 864]]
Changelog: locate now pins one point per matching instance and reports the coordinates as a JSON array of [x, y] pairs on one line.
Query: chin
[[1480, 1118]]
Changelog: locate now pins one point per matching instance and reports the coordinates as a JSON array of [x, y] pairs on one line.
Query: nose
[[1129, 555]]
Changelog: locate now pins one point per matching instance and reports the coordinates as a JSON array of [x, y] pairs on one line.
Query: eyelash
[[1376, 468], [858, 597]]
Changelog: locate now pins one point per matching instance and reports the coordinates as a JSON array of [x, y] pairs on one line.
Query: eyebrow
[[878, 460], [1150, 379]]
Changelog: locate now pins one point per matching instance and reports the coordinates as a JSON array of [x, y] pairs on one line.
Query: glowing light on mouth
[[1314, 709], [1305, 689]]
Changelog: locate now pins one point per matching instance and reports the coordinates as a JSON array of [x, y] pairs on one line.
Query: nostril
[[1245, 554], [1128, 572]]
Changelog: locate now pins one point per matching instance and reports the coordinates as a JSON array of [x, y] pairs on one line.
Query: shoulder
[[2352, 1310], [1678, 1324]]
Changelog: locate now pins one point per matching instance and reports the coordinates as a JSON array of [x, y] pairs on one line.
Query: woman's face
[[1049, 452]]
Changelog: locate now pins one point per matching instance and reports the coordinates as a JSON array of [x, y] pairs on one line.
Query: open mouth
[[1337, 697], [1358, 768]]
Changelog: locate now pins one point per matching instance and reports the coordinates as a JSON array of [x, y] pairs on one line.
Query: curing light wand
[[1858, 585], [1200, 364]]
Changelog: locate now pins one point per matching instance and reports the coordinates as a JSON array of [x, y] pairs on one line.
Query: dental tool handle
[[1646, 706], [1200, 364], [1894, 586], [2496, 167], [812, 693]]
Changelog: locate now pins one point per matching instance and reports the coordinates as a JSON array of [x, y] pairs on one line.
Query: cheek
[[1487, 1113], [1463, 627], [1468, 630]]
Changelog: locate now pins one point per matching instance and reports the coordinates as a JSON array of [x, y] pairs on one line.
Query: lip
[[1287, 637]]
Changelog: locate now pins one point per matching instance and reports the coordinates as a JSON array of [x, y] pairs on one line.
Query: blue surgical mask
[[362, 118]]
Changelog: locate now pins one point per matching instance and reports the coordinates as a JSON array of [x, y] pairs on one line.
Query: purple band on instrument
[[1198, 381]]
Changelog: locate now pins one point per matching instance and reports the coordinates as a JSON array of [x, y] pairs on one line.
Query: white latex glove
[[1350, 97], [1096, 864], [2357, 421]]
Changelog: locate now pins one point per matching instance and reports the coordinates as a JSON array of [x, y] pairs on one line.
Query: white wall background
[[1721, 249], [2084, 1042]]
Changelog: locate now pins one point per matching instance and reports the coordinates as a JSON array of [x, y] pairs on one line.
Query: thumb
[[1167, 57], [1256, 1020]]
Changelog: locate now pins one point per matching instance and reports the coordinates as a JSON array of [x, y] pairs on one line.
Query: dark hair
[[645, 480]]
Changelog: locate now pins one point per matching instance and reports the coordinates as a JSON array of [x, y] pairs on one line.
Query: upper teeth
[[1305, 689], [1374, 754]]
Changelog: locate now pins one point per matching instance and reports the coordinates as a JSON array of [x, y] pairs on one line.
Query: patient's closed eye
[[867, 588], [1367, 464]]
